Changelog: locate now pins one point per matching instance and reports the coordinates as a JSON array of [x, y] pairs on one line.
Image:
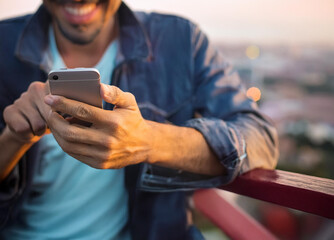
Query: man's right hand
[[25, 118]]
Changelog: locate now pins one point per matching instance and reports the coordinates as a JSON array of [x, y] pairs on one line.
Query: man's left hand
[[115, 139]]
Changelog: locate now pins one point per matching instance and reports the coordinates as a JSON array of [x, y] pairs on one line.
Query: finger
[[86, 160], [25, 120], [35, 119], [39, 87], [74, 108], [76, 133], [34, 97], [78, 122], [17, 122], [40, 90], [47, 88], [86, 153], [42, 108], [92, 162], [116, 96], [79, 151]]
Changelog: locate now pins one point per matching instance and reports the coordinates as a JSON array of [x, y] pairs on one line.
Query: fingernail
[[49, 99]]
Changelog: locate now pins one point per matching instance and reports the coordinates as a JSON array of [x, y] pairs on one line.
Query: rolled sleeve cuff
[[225, 141]]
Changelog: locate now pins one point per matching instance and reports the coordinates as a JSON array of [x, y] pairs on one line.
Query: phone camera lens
[[55, 77]]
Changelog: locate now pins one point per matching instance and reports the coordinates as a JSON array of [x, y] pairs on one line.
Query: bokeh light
[[252, 52], [254, 93]]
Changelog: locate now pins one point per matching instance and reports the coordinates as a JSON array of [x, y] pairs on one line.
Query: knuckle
[[107, 142], [82, 111], [22, 100], [39, 126], [115, 93], [114, 123], [7, 111], [23, 96], [69, 134], [104, 158], [19, 125], [130, 96], [36, 86], [38, 122], [116, 126], [21, 129], [32, 87], [119, 121]]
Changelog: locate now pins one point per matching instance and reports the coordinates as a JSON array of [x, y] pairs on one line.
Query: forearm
[[183, 148], [11, 150]]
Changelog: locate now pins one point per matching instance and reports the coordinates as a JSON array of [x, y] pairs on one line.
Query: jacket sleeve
[[231, 123], [12, 184], [240, 136], [13, 189]]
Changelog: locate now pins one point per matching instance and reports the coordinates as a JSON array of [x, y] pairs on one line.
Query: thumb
[[117, 97]]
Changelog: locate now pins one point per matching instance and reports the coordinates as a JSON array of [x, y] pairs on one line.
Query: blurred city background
[[284, 52]]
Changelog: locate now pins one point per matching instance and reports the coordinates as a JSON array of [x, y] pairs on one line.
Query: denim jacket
[[178, 78]]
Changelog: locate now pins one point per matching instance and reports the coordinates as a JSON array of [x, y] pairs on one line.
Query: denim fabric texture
[[177, 77]]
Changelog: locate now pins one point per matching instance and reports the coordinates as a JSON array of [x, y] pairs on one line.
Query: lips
[[80, 13]]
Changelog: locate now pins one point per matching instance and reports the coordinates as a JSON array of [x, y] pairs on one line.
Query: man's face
[[80, 21]]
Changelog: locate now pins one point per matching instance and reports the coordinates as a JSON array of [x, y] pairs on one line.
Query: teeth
[[81, 10]]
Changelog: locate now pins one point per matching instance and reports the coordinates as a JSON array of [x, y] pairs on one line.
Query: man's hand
[[25, 125], [122, 137], [114, 140], [25, 118]]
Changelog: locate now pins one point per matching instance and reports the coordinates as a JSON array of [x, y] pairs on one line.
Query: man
[[180, 122]]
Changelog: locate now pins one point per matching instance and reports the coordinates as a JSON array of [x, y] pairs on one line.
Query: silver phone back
[[80, 84]]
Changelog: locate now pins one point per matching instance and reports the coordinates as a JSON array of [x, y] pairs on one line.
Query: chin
[[79, 34]]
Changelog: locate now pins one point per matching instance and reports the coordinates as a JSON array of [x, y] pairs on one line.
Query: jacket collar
[[33, 42]]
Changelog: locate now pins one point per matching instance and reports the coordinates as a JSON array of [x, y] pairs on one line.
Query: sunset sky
[[254, 21]]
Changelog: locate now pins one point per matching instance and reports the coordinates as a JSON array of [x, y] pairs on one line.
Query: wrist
[[182, 148], [165, 143], [156, 140], [12, 149]]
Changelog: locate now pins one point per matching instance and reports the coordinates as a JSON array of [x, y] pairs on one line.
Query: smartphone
[[80, 84]]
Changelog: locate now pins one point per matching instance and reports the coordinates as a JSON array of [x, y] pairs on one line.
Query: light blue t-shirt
[[71, 200]]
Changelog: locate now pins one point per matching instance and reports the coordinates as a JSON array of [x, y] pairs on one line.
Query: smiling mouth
[[80, 10], [80, 13]]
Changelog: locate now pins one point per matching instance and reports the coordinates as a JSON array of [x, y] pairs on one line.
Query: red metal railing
[[232, 220], [302, 192]]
